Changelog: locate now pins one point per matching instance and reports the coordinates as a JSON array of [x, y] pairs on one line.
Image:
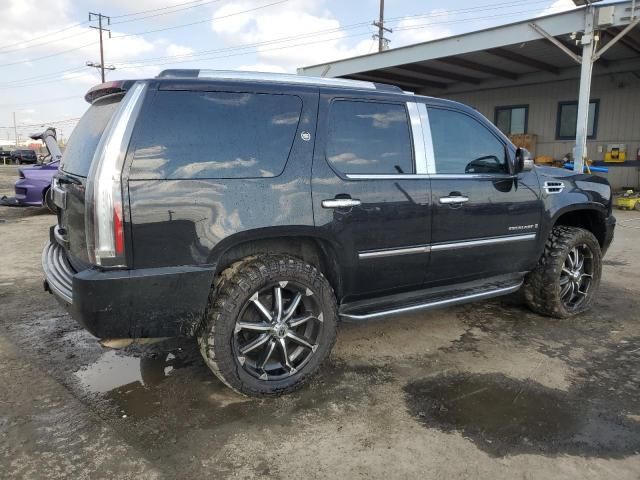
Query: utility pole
[[15, 128], [100, 28], [383, 43]]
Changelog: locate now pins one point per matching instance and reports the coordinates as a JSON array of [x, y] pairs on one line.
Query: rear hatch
[[70, 182]]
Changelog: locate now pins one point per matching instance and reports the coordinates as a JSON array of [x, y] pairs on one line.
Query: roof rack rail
[[274, 77]]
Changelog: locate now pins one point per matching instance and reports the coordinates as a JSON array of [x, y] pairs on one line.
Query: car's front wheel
[[270, 324], [567, 277]]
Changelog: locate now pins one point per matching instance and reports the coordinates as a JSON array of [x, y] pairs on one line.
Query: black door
[[485, 219], [366, 195]]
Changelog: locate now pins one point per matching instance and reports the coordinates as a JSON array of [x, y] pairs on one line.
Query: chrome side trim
[[384, 176], [484, 241], [418, 139], [394, 252], [435, 304], [428, 140], [424, 176]]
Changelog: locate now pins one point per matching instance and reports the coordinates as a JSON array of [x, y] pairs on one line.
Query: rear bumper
[[28, 192], [154, 302]]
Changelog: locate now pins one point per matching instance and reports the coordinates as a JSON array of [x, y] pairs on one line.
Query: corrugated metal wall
[[618, 118]]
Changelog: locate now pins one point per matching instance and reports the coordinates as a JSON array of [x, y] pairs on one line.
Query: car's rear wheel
[[270, 324], [567, 277]]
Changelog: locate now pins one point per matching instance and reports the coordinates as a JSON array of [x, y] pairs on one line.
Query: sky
[[44, 46]]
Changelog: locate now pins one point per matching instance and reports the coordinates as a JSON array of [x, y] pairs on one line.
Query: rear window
[[184, 135], [85, 137]]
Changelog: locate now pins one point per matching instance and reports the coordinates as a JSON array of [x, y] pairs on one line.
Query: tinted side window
[[369, 138], [461, 144], [214, 135]]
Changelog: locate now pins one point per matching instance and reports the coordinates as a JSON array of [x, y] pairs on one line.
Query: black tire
[[280, 364], [556, 287], [48, 201]]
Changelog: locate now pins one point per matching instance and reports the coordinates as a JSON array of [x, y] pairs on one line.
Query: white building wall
[[618, 118]]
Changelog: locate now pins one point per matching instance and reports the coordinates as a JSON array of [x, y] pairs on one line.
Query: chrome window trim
[[394, 252], [485, 241], [417, 130], [414, 249], [430, 167]]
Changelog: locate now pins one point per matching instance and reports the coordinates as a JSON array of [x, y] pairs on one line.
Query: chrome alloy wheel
[[576, 276], [275, 342]]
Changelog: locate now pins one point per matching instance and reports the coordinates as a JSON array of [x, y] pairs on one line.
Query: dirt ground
[[486, 390]]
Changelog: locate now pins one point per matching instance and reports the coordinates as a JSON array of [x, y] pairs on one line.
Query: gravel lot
[[487, 390]]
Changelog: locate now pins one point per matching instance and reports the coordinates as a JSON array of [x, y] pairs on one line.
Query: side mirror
[[524, 160]]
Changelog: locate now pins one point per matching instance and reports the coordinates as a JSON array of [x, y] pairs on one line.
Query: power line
[[157, 9], [144, 62], [28, 60], [54, 122], [40, 77], [202, 21], [38, 102], [45, 35], [163, 13]]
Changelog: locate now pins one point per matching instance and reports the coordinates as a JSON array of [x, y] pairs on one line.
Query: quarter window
[[369, 138], [461, 144], [183, 135], [512, 120], [568, 117]]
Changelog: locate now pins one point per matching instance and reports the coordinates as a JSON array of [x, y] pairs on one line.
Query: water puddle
[[502, 416], [113, 370]]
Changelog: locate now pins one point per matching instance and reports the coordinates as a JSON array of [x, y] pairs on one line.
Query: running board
[[433, 303]]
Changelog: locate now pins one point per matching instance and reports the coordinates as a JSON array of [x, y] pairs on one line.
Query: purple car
[[33, 186]]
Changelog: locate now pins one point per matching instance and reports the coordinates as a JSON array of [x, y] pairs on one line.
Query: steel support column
[[582, 122]]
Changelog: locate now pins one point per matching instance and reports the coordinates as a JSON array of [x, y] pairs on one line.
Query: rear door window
[[183, 135], [84, 140], [369, 138]]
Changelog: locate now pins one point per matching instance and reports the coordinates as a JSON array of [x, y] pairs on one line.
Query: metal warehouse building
[[528, 76]]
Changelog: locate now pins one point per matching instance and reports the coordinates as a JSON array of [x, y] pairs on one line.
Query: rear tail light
[[103, 209]]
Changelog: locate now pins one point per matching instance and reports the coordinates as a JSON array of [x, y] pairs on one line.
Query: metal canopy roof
[[506, 55]]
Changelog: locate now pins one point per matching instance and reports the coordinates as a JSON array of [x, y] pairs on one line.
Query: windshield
[[85, 137]]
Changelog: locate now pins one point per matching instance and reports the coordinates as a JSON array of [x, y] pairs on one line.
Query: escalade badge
[[523, 227]]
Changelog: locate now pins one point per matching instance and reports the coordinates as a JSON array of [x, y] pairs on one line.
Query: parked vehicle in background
[[22, 156], [5, 156], [253, 211], [33, 185]]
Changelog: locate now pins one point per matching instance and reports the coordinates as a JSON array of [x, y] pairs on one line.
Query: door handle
[[340, 203], [454, 200]]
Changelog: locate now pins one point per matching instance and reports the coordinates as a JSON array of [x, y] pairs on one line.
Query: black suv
[[253, 211], [24, 156]]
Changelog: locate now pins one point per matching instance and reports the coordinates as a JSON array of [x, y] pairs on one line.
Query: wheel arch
[[304, 243], [591, 217]]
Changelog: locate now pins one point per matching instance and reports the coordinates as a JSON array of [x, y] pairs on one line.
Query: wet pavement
[[488, 390]]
